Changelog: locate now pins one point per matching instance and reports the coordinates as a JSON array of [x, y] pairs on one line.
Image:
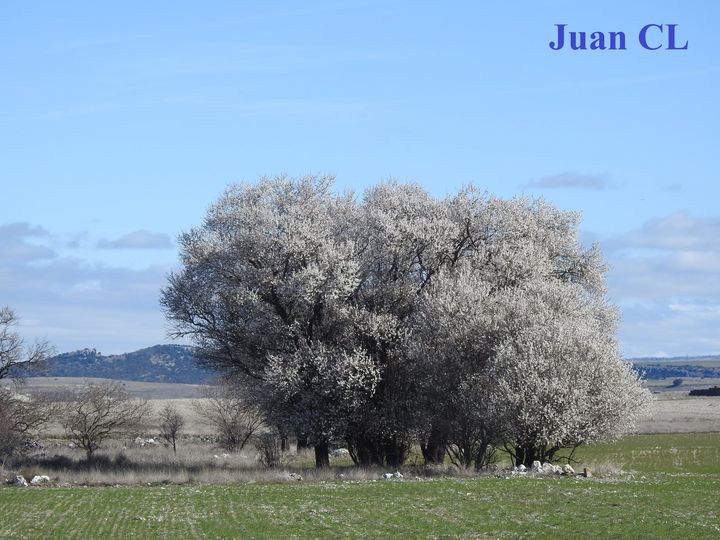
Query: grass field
[[668, 488], [687, 453], [659, 507], [664, 483]]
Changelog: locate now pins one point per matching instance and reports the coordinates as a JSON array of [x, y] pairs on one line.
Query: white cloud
[[75, 303], [665, 276], [678, 231], [571, 180]]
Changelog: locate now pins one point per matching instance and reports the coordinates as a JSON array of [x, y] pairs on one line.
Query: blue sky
[[122, 122]]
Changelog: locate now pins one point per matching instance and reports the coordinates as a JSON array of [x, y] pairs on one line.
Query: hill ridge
[[170, 363]]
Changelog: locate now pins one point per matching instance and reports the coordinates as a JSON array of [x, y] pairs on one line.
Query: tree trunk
[[322, 454], [481, 456], [395, 452], [525, 455], [433, 450], [302, 442], [365, 452]]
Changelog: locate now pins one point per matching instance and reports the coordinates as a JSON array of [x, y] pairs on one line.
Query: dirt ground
[[145, 390]]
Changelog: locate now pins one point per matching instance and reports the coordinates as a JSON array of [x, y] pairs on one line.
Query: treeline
[[654, 372], [714, 391]]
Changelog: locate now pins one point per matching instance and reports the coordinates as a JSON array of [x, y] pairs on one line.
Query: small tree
[[13, 349], [20, 417], [234, 420], [269, 449], [99, 411], [171, 423]]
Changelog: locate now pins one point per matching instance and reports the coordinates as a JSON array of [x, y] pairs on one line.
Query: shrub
[[269, 449]]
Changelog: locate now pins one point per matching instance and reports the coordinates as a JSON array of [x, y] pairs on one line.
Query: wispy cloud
[[571, 180], [14, 244], [141, 239], [675, 232], [75, 303]]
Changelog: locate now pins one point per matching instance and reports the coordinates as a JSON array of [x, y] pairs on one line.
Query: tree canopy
[[461, 323]]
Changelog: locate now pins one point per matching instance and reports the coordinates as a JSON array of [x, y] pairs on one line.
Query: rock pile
[[20, 481], [139, 441], [38, 480], [546, 468]]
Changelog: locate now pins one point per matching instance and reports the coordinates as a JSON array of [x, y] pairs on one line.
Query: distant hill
[[160, 363], [176, 364]]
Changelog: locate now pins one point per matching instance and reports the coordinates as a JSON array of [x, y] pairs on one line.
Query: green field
[[670, 488], [695, 453]]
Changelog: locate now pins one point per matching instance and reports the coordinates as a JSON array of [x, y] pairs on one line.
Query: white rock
[[388, 475], [20, 481], [294, 476], [398, 474], [536, 466], [567, 469], [522, 468], [37, 480]]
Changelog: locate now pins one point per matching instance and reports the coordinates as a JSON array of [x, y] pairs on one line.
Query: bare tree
[[13, 349], [171, 423], [99, 411], [20, 417], [234, 420], [269, 449]]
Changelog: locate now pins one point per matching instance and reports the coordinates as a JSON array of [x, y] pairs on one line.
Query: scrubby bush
[[21, 416], [269, 449], [99, 411], [234, 419], [171, 424]]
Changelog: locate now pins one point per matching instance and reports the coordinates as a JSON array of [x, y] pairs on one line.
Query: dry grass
[[122, 462], [676, 412]]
